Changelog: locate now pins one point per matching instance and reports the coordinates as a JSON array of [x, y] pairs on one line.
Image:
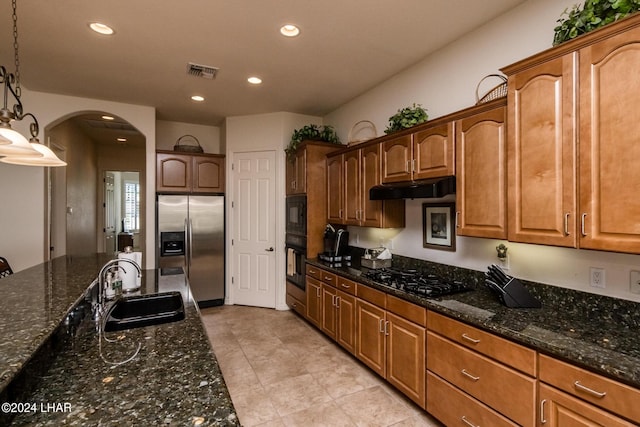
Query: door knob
[[270, 249]]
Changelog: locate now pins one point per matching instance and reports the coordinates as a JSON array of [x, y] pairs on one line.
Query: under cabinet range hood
[[423, 189]]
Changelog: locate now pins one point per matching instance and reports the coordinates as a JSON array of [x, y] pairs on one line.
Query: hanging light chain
[[15, 48]]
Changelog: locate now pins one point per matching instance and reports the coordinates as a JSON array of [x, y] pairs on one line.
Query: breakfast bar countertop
[[174, 379]]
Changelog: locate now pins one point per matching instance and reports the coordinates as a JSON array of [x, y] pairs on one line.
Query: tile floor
[[281, 371]]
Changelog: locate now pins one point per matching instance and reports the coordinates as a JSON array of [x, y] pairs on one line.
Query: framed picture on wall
[[438, 226]]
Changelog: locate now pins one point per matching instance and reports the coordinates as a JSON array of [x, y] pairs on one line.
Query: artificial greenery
[[406, 118], [314, 133], [594, 14]]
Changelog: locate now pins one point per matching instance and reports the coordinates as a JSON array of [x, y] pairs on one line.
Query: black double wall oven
[[296, 239]]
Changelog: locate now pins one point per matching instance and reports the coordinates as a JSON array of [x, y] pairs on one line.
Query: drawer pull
[[467, 374], [344, 285], [312, 271], [468, 338], [328, 279], [592, 392], [467, 422]]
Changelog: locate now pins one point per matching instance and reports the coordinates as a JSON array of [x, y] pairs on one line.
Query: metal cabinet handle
[[591, 391], [270, 249], [457, 219], [406, 166], [344, 285], [566, 224], [467, 374], [386, 327], [583, 230], [467, 422], [337, 304], [381, 326], [312, 271], [468, 338], [318, 292], [340, 214], [328, 279], [542, 420]]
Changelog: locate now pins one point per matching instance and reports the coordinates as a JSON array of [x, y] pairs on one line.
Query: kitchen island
[[56, 372]]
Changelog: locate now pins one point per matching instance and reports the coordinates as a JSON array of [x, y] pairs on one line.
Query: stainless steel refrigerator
[[191, 237]]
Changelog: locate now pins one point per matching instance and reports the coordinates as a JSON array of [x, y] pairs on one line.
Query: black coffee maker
[[336, 243]]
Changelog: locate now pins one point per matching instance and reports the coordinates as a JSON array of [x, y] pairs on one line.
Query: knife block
[[517, 296]]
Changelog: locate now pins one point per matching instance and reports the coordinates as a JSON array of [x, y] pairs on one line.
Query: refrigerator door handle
[[190, 241], [187, 245]]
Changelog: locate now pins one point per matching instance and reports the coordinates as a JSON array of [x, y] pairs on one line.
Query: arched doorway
[[82, 212]]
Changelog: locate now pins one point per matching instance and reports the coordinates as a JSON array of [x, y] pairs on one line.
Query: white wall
[[445, 82], [22, 216], [262, 132], [168, 133]]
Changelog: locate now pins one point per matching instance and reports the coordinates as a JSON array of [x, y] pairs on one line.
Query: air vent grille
[[204, 71]]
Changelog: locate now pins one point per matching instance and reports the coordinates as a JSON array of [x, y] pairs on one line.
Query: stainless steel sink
[[144, 310]]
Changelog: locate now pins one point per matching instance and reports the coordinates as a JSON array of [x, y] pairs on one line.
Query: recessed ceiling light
[[197, 98], [101, 28], [254, 80], [108, 118], [289, 30]]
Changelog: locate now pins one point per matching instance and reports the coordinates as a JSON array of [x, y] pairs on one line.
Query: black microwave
[[297, 215]]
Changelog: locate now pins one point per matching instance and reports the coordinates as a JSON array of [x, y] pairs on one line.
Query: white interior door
[[253, 240]]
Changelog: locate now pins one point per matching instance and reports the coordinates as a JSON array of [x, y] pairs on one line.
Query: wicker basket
[[188, 148], [499, 91], [352, 132]]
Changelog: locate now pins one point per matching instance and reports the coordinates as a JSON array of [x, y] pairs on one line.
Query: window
[[131, 206]]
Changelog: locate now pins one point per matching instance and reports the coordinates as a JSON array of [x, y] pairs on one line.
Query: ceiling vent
[[204, 71]]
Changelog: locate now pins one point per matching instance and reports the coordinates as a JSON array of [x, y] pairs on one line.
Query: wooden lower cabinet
[[329, 310], [454, 407], [296, 299], [504, 389], [314, 301], [558, 409], [370, 338], [346, 327]]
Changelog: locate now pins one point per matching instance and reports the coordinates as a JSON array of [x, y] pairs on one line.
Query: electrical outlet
[[634, 282], [598, 277], [505, 262]]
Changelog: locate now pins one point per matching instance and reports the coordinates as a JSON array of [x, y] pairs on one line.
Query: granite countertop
[[173, 380], [595, 332]]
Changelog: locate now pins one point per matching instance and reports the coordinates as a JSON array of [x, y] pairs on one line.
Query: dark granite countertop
[[173, 380], [599, 333]]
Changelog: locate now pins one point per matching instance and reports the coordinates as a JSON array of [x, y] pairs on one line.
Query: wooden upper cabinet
[[541, 150], [189, 173], [434, 152], [397, 156], [609, 149], [335, 189], [481, 179], [352, 190], [296, 172]]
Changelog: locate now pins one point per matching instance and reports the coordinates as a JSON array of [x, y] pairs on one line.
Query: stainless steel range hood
[[423, 189]]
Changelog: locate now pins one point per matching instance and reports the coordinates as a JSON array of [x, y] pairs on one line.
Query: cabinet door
[[301, 171], [609, 149], [346, 330], [335, 189], [481, 179], [406, 357], [559, 409], [173, 172], [396, 159], [329, 310], [369, 176], [541, 151], [290, 174], [314, 301], [352, 197], [370, 338], [434, 152], [208, 174]]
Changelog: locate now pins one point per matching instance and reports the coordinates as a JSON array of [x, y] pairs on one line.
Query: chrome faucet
[[103, 271]]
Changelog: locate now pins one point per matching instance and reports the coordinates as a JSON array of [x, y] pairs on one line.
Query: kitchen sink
[[144, 310]]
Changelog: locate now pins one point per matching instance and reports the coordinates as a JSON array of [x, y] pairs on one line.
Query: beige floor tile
[[374, 407], [254, 407], [345, 379], [326, 414], [296, 394]]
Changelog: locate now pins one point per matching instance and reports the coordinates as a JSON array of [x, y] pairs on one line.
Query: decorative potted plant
[[594, 14], [311, 133], [406, 118]]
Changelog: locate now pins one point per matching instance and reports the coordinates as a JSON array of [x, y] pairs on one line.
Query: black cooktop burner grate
[[413, 282]]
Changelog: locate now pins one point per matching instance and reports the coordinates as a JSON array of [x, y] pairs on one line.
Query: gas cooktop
[[413, 282]]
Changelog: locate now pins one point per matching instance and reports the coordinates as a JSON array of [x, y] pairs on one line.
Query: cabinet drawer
[[407, 310], [616, 397], [504, 351], [454, 407], [329, 278], [314, 272], [346, 285], [372, 295], [296, 292], [502, 388], [296, 305]]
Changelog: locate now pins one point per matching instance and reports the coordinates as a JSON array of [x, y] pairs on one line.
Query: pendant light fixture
[[14, 146]]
